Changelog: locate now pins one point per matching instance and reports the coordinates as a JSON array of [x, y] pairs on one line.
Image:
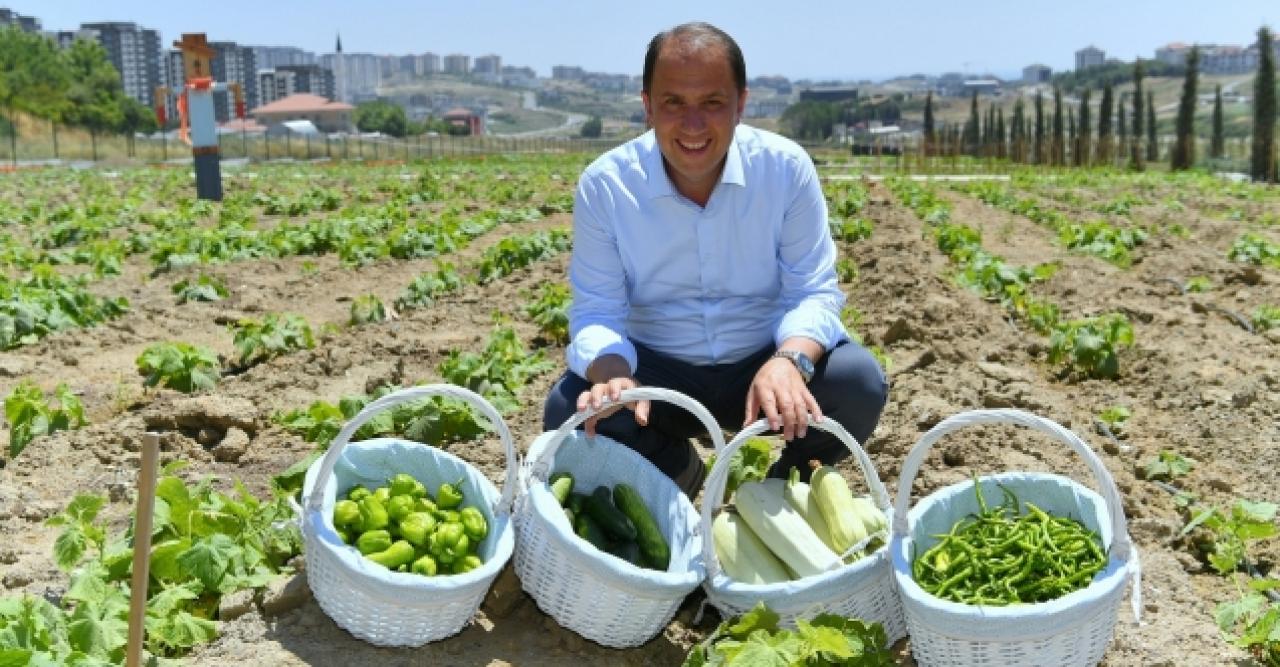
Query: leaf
[[98, 629], [164, 560], [759, 618], [84, 508], [14, 657], [181, 631], [69, 548], [207, 559], [762, 649], [290, 481]]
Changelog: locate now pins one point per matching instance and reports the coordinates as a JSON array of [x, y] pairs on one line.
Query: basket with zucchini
[[803, 549]]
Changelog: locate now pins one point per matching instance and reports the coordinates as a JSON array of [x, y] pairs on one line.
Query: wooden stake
[[142, 548]]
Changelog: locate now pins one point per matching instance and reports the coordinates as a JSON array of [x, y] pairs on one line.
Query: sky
[[820, 40]]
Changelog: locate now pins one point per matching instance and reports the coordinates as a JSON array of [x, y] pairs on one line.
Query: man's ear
[[648, 109], [742, 103]]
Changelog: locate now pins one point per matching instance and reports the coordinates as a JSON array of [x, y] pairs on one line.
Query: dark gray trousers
[[847, 383]]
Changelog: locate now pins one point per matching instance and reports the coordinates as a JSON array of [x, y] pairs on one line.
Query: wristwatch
[[801, 361]]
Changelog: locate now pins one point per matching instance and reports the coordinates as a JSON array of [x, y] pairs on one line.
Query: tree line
[[1125, 129], [76, 86]]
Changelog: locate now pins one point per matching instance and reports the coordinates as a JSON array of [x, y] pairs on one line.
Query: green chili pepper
[[400, 553]]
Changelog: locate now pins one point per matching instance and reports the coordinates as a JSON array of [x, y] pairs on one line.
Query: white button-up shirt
[[704, 285]]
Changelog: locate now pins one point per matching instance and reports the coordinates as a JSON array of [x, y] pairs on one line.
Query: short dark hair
[[700, 33]]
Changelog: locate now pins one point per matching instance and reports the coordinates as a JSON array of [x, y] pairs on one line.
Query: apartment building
[[1037, 73], [233, 63], [24, 23], [361, 74], [1090, 56], [286, 80], [457, 63], [135, 52], [271, 57]]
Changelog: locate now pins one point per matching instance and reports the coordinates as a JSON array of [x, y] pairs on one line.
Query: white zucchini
[[782, 529], [742, 555]]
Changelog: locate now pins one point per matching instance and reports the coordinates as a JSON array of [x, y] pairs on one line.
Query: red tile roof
[[302, 102]]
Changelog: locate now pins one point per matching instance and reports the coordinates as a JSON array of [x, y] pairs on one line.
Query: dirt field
[[1196, 382]]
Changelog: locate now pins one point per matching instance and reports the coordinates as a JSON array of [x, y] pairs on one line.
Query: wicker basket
[[863, 589], [371, 602], [601, 597], [1072, 630]]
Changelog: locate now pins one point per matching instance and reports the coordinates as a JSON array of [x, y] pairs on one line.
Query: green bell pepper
[[467, 563], [448, 543], [400, 553], [383, 494], [417, 527], [473, 523], [346, 513], [399, 507], [373, 514], [425, 566], [425, 504], [404, 484], [449, 496], [357, 492], [373, 541]]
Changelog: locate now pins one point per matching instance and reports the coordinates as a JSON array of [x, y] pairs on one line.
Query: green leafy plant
[[1253, 623], [1198, 284], [204, 288], [1115, 417], [427, 287], [1167, 466], [550, 311], [30, 415], [755, 638], [499, 371], [851, 230], [179, 366], [516, 252], [366, 309], [1254, 249], [749, 464], [275, 335], [846, 270], [1266, 317], [80, 530], [1091, 345], [1225, 536]]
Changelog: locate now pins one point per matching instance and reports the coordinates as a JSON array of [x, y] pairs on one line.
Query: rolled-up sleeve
[[597, 318], [807, 256]]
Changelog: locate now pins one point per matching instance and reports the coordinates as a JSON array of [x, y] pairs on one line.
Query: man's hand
[[780, 391], [610, 375]]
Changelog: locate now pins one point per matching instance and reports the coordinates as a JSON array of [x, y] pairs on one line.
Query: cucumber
[[628, 551], [648, 537], [589, 530], [575, 502], [599, 506], [561, 486]]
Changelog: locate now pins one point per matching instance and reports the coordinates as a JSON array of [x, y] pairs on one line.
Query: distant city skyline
[[828, 40]]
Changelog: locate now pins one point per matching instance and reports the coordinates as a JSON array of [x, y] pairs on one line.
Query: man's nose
[[693, 119]]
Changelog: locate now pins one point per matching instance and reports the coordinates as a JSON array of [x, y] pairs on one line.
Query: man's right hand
[[610, 375]]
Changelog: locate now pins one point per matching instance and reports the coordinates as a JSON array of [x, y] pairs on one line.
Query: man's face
[[693, 106]]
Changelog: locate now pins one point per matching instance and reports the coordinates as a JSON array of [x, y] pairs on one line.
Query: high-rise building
[[567, 73], [271, 57], [233, 63], [457, 63], [1090, 56], [135, 53], [429, 63], [487, 64], [1037, 73], [286, 80], [24, 23]]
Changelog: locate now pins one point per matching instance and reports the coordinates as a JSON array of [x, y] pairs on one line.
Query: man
[[703, 262]]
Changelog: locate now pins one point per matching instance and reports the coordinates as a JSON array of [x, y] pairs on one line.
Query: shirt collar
[[659, 183]]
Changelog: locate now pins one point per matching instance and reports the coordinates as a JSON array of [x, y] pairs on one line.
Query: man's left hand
[[780, 391]]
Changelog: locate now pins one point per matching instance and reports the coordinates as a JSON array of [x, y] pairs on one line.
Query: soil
[[1196, 381]]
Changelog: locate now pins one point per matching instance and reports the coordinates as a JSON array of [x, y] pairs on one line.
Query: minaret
[[340, 71]]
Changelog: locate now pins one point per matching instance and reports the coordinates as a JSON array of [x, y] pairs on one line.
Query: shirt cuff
[[818, 324], [595, 341]]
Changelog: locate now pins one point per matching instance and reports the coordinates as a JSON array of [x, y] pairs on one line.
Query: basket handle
[[1120, 542], [542, 467], [314, 501], [719, 477]]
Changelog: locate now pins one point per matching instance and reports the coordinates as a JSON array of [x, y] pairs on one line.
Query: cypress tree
[[1262, 161], [989, 135], [1059, 145], [1039, 133], [1001, 146], [1217, 145], [929, 137], [972, 130], [1183, 154], [1105, 110], [1071, 134], [1135, 153], [1122, 132], [1153, 148], [1082, 136], [1018, 137]]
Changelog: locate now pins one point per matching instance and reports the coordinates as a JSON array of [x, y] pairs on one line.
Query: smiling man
[[703, 262]]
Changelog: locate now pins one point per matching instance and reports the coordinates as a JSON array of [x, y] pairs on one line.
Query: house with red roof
[[324, 114]]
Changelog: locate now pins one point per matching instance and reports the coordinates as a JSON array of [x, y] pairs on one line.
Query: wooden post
[[142, 548]]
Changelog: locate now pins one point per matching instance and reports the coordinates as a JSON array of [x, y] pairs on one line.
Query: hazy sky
[[822, 39]]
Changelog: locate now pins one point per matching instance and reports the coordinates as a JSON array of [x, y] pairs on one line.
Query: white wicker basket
[[601, 597], [371, 602], [862, 589], [1072, 630]]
